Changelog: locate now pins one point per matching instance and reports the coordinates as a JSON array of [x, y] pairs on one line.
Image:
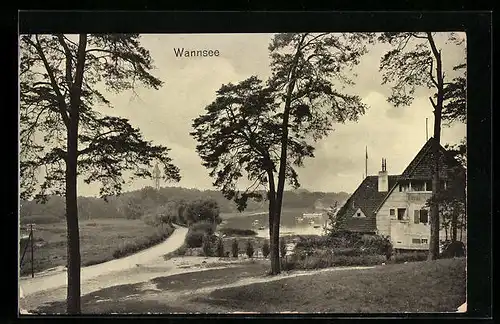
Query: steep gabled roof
[[367, 198], [422, 165]]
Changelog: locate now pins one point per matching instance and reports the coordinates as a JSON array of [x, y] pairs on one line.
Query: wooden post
[[32, 239]]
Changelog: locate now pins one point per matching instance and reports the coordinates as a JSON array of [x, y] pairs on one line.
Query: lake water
[[290, 223]]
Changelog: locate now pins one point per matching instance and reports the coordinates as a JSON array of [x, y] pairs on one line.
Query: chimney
[[383, 178]]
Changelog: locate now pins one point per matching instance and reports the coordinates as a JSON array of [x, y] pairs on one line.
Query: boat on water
[[317, 226]]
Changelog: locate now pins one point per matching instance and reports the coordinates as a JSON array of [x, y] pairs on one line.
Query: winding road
[[30, 285]]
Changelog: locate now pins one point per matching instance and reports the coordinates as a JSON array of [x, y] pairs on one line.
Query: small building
[[394, 205]]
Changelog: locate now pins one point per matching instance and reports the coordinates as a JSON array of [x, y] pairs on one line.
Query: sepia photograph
[[230, 173]]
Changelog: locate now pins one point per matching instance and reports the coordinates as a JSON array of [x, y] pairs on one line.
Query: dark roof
[[422, 165], [367, 198]]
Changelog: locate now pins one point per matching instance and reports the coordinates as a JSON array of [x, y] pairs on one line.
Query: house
[[394, 205]]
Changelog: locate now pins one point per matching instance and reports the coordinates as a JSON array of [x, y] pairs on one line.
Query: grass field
[[98, 241], [438, 286]]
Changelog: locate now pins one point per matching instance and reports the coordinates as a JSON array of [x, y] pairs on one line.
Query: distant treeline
[[135, 204]]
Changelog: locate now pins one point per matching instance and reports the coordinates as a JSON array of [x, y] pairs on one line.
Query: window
[[392, 212], [424, 241], [421, 216], [358, 214], [415, 241], [401, 213], [424, 216], [404, 187], [417, 186]]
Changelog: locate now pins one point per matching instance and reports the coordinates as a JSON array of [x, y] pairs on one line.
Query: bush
[[220, 248], [194, 239], [265, 249], [282, 247], [237, 232], [235, 248], [410, 256], [327, 259], [39, 219], [453, 249], [250, 249], [203, 226], [207, 245]]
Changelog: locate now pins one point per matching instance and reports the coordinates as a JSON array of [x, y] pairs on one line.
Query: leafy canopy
[[241, 131], [109, 146]]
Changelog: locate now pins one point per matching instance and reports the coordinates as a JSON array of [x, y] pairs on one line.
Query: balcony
[[418, 195]]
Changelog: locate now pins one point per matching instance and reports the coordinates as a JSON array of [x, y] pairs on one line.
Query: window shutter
[[424, 216], [416, 216]]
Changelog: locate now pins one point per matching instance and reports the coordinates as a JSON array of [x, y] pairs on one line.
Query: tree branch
[[55, 87]]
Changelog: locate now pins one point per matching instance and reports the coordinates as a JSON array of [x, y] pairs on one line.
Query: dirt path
[[42, 282]]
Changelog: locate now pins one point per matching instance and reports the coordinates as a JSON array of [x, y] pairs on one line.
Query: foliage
[[410, 256], [263, 131], [194, 239], [282, 247], [207, 245], [50, 68], [249, 249], [237, 232], [415, 61], [327, 258], [453, 249], [39, 219], [170, 201], [265, 249], [336, 220], [234, 248], [220, 248], [205, 210], [455, 94]]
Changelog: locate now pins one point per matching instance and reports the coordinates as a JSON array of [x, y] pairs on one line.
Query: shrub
[[220, 248], [411, 256], [237, 232], [282, 247], [453, 249], [250, 249], [194, 239], [235, 248], [327, 259], [207, 245], [265, 249], [39, 219], [203, 226]]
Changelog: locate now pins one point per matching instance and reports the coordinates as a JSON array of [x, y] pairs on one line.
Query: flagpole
[[366, 161]]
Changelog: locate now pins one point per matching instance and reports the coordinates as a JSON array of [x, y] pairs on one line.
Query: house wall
[[402, 232]]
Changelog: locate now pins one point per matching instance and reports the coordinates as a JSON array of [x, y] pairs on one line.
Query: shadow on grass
[[437, 286], [123, 298]]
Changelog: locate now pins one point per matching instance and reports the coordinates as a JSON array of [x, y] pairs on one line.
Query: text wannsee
[[181, 52]]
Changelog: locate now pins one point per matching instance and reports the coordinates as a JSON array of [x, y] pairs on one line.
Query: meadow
[[100, 240]]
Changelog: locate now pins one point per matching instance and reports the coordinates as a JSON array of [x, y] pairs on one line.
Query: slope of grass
[[437, 286], [99, 239]]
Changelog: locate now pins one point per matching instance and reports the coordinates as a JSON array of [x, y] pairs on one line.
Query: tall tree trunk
[[74, 259], [454, 224], [272, 209], [73, 289], [284, 157], [438, 107]]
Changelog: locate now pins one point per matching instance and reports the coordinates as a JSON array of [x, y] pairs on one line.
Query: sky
[[165, 116]]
